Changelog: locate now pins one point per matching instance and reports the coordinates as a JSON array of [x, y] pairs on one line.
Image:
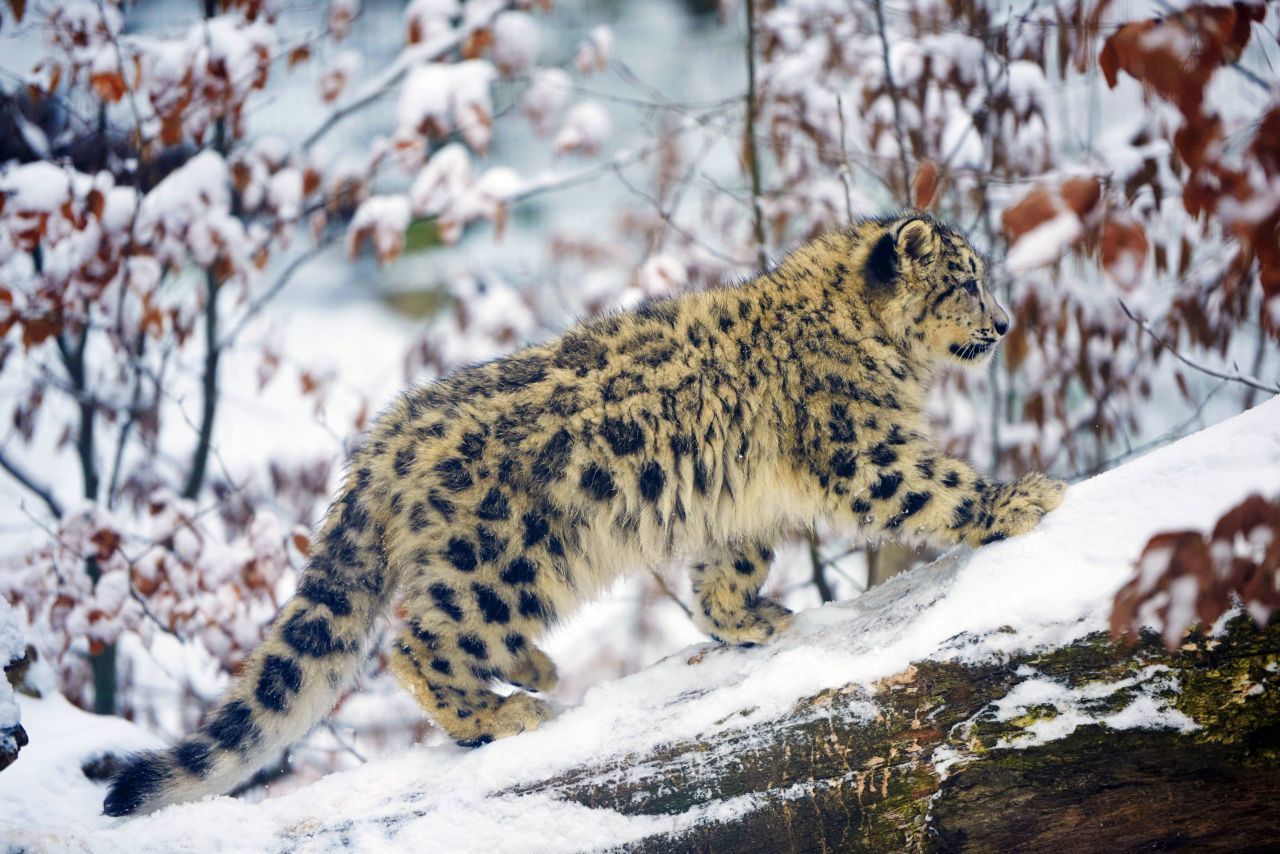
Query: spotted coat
[[493, 502]]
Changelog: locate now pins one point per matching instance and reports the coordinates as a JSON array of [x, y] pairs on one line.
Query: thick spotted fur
[[492, 503]]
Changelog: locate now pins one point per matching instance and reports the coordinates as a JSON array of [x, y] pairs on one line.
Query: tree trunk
[[1187, 758]]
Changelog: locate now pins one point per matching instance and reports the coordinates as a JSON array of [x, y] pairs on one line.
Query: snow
[[385, 219], [548, 94], [39, 187], [516, 39], [1073, 708], [1044, 243], [189, 212], [1046, 588], [594, 52], [1028, 88], [11, 647], [586, 127], [438, 98]]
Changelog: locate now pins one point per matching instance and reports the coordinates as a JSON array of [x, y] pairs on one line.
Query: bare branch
[[846, 172], [753, 153], [893, 96], [131, 419], [343, 743], [668, 592], [1171, 435], [208, 389], [1251, 382], [819, 568], [259, 302], [44, 493], [669, 220]]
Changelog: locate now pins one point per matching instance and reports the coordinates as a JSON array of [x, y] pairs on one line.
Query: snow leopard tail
[[312, 652]]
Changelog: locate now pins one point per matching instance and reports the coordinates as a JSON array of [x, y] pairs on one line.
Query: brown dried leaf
[[925, 186], [1124, 251]]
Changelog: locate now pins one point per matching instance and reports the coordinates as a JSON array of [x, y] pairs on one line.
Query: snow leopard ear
[[913, 243], [881, 270], [918, 241]]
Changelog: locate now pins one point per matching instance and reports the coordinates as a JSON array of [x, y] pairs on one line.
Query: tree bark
[[932, 770]]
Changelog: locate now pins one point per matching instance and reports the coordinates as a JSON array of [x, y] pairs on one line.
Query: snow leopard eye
[[971, 288]]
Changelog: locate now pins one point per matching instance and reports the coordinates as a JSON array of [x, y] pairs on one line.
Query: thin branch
[[893, 96], [130, 420], [670, 222], [208, 389], [147, 612], [259, 302], [819, 568], [1173, 434], [343, 743], [753, 153], [546, 184], [44, 493], [1237, 377], [668, 592], [563, 181], [74, 364], [271, 774], [846, 171]]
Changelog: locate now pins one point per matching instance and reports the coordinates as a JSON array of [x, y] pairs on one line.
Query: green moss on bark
[[828, 778]]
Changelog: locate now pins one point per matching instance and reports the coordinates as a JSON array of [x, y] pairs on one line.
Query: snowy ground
[[1048, 587]]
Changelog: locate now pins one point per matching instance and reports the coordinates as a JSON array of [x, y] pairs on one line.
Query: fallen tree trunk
[[1088, 747]]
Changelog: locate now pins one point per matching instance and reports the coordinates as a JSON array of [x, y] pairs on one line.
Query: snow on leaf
[[1124, 251], [334, 80], [427, 20], [1185, 577], [548, 94], [661, 275], [594, 52], [188, 213], [438, 98], [1048, 220], [382, 221], [342, 15], [516, 38], [584, 131]]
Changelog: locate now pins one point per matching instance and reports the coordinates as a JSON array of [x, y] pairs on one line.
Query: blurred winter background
[[230, 232]]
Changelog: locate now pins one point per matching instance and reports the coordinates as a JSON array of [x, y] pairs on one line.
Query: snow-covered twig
[[1236, 377], [395, 72]]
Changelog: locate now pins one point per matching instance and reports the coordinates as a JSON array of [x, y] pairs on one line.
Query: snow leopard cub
[[489, 504]]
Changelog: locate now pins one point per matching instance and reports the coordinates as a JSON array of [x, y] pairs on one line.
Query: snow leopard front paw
[[1017, 507], [535, 672], [755, 624]]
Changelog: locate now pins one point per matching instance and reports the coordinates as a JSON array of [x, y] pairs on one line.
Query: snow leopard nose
[[999, 318]]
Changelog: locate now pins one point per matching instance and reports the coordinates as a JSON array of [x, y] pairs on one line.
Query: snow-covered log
[[976, 704]]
